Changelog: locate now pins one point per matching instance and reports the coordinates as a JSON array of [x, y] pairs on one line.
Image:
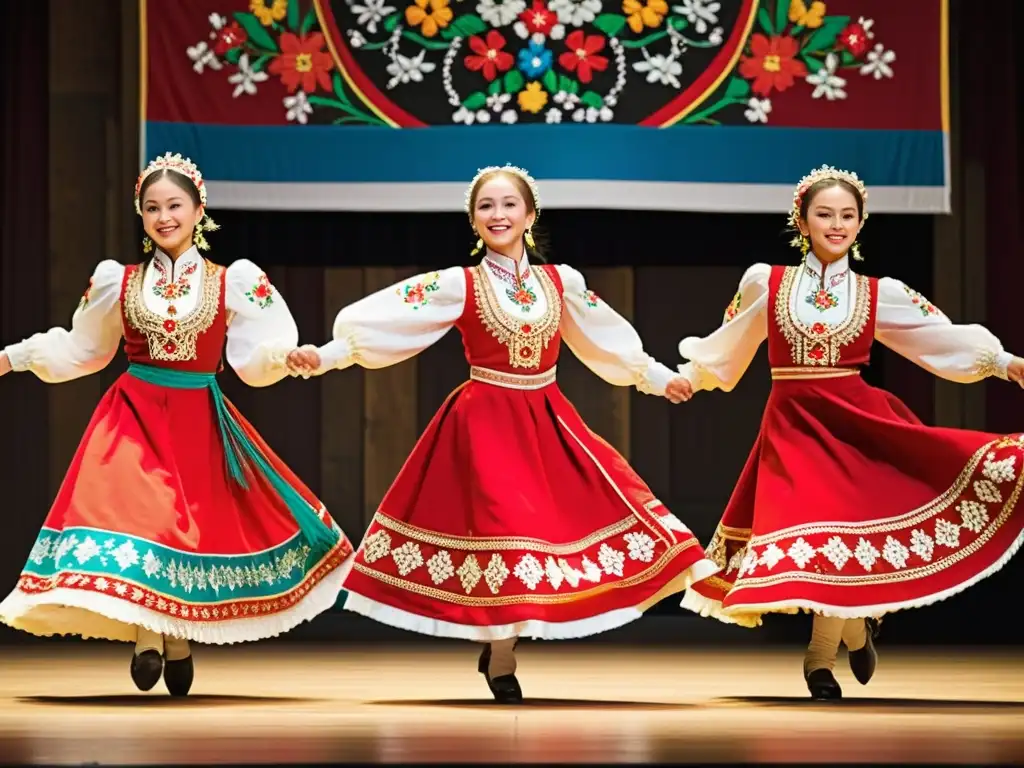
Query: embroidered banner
[[717, 105]]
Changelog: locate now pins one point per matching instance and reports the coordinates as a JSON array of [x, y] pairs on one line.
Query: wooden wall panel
[[390, 409], [342, 396]]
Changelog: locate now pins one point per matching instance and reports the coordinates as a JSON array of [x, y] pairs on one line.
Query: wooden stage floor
[[294, 703]]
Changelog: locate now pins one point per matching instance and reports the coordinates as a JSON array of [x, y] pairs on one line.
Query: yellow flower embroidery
[[269, 11], [533, 98], [803, 16], [640, 13], [430, 23]]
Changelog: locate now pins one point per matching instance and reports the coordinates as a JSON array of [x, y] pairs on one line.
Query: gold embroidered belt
[[513, 380], [806, 372]]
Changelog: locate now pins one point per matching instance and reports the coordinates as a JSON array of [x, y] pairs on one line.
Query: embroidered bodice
[[512, 316], [827, 315], [180, 313]]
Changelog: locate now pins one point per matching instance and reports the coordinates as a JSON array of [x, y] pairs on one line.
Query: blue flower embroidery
[[535, 59]]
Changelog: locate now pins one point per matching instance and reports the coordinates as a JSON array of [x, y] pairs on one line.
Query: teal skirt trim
[[242, 454]]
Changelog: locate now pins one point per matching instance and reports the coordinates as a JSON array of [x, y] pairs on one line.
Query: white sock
[[855, 634], [176, 648], [147, 640], [826, 634], [503, 658]]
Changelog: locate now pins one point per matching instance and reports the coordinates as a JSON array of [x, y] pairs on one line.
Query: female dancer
[[849, 506], [510, 517], [175, 522]]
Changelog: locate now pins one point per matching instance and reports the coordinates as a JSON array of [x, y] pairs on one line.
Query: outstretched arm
[[605, 341], [394, 323], [62, 354], [261, 329], [719, 360], [913, 327]]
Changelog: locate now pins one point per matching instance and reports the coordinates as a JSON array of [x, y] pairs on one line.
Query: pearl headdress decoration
[[821, 174], [507, 168], [184, 166], [175, 162]]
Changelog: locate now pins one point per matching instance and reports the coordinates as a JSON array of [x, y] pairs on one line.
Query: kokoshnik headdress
[[184, 166], [824, 173]]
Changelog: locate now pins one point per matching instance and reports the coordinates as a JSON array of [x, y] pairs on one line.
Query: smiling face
[[503, 209], [170, 211], [831, 218]]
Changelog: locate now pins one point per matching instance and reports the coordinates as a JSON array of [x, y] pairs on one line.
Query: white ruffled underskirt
[[94, 615]]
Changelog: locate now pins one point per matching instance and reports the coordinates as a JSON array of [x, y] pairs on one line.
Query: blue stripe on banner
[[713, 154]]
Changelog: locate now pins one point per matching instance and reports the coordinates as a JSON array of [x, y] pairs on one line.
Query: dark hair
[[179, 180], [539, 236], [820, 186]]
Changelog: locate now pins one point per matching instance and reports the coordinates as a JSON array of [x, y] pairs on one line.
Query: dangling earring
[[147, 245], [855, 252], [479, 246], [528, 237], [802, 243]]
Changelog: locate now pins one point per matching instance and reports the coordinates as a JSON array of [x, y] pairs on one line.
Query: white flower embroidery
[[87, 550], [245, 79], [298, 107], [836, 552], [495, 573], [1001, 471], [895, 553], [407, 557], [217, 21], [866, 554], [750, 562], [371, 13], [801, 553], [376, 546], [640, 546], [509, 117], [500, 13], [973, 514], [591, 571], [469, 117], [575, 12], [922, 545], [440, 567], [529, 571], [878, 61], [700, 13], [356, 39], [573, 575], [827, 83], [660, 69], [987, 491], [947, 534], [553, 115], [469, 573], [758, 110], [406, 69], [772, 555], [554, 573], [202, 56], [126, 555], [736, 561], [611, 560]]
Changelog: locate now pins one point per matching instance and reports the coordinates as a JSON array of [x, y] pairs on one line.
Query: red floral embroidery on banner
[[490, 59], [772, 64], [582, 57], [538, 19], [261, 294], [302, 63]]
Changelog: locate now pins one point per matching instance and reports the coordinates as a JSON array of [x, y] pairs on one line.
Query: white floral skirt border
[[751, 615], [93, 615], [533, 629]]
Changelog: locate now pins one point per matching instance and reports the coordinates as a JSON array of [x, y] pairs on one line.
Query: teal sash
[[241, 452]]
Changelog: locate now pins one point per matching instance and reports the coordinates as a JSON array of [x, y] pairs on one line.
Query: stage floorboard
[[289, 703]]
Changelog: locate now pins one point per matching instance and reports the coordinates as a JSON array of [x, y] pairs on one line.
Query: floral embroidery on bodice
[[171, 305], [526, 341], [844, 339]]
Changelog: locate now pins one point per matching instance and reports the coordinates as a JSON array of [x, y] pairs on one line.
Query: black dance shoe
[[504, 688], [864, 660], [178, 676], [146, 669], [823, 685]]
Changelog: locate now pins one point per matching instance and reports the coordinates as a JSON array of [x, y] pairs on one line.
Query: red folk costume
[[511, 518], [849, 506], [174, 515]]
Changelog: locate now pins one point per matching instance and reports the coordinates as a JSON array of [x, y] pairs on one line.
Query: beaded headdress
[[824, 173], [184, 166], [507, 168]]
